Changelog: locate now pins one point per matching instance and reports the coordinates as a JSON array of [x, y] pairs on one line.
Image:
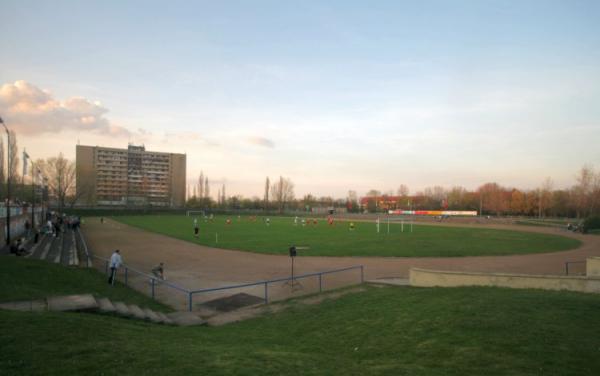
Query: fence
[[568, 263], [265, 284], [125, 271]]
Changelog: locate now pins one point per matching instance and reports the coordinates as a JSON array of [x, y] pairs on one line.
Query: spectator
[[115, 262], [159, 271]]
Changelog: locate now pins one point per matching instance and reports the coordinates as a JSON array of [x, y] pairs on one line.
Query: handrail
[[176, 287], [85, 248], [276, 280]]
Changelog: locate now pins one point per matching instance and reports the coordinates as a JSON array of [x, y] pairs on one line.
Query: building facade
[[129, 177]]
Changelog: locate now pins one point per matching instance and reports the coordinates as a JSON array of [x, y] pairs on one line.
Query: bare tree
[[61, 178], [206, 188], [266, 197], [583, 189], [283, 192], [13, 171], [403, 190], [223, 196], [201, 185]]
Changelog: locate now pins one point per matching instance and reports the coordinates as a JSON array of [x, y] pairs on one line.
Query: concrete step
[[25, 306], [163, 318], [185, 319], [136, 312], [35, 246], [105, 305], [150, 315], [47, 247], [121, 309], [73, 257], [56, 250], [84, 302]]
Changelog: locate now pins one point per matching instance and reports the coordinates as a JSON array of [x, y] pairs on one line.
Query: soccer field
[[323, 239]]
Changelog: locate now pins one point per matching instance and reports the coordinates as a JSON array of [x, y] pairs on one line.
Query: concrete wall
[[431, 278], [592, 267]]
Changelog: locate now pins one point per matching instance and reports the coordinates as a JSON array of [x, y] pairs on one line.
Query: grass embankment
[[393, 331], [338, 240], [24, 279]]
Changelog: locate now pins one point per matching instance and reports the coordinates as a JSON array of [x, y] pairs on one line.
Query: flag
[[25, 157]]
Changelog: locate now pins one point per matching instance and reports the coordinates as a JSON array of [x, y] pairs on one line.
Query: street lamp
[[7, 184]]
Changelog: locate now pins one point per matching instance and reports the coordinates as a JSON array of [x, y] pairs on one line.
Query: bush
[[592, 223]]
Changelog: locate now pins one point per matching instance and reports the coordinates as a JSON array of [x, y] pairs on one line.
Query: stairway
[[66, 249], [89, 303]]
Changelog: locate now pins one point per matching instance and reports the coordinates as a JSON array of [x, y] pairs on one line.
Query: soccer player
[[196, 229]]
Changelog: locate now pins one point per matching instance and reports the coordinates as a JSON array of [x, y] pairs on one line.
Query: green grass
[[24, 279], [546, 222], [382, 331], [325, 240]]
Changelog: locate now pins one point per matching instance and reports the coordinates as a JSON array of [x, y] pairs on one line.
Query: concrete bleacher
[[66, 248], [89, 303]]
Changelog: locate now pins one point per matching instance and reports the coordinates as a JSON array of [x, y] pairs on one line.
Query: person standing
[[159, 271], [115, 262], [196, 229]]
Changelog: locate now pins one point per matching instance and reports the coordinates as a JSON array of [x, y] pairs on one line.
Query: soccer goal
[[195, 213]]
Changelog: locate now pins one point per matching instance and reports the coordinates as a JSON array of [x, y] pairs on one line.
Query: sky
[[335, 95]]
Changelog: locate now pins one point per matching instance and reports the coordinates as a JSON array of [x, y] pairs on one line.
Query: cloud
[[261, 141], [31, 111]]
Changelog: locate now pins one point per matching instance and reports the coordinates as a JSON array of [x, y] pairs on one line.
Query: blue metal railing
[[267, 282]]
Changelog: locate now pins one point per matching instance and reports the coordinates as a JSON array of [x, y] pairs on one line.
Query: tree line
[[40, 179], [580, 200]]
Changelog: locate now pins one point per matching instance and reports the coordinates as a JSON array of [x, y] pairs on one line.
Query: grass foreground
[[29, 279], [325, 240], [379, 331]]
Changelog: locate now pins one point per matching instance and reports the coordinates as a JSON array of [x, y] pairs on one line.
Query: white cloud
[[261, 141], [32, 111]]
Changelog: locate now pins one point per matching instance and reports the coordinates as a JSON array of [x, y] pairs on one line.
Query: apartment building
[[129, 177]]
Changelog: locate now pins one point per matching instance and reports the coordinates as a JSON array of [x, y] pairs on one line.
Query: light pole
[[7, 184]]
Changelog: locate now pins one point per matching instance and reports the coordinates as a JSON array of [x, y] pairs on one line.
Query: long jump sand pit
[[196, 267]]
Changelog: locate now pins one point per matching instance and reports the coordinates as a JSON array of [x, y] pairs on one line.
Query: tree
[[582, 190], [403, 190], [13, 171], [201, 185], [283, 192], [61, 178], [493, 198], [517, 202], [223, 196], [206, 189], [456, 198], [352, 202], [266, 196], [545, 197]]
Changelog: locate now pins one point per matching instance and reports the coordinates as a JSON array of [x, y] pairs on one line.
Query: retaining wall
[[431, 278]]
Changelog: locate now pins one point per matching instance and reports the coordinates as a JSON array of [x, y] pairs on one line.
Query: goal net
[[195, 213]]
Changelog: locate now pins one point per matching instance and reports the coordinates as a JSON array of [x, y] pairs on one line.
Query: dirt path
[[195, 267]]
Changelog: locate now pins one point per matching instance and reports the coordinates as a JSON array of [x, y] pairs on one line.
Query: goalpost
[[190, 213]]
